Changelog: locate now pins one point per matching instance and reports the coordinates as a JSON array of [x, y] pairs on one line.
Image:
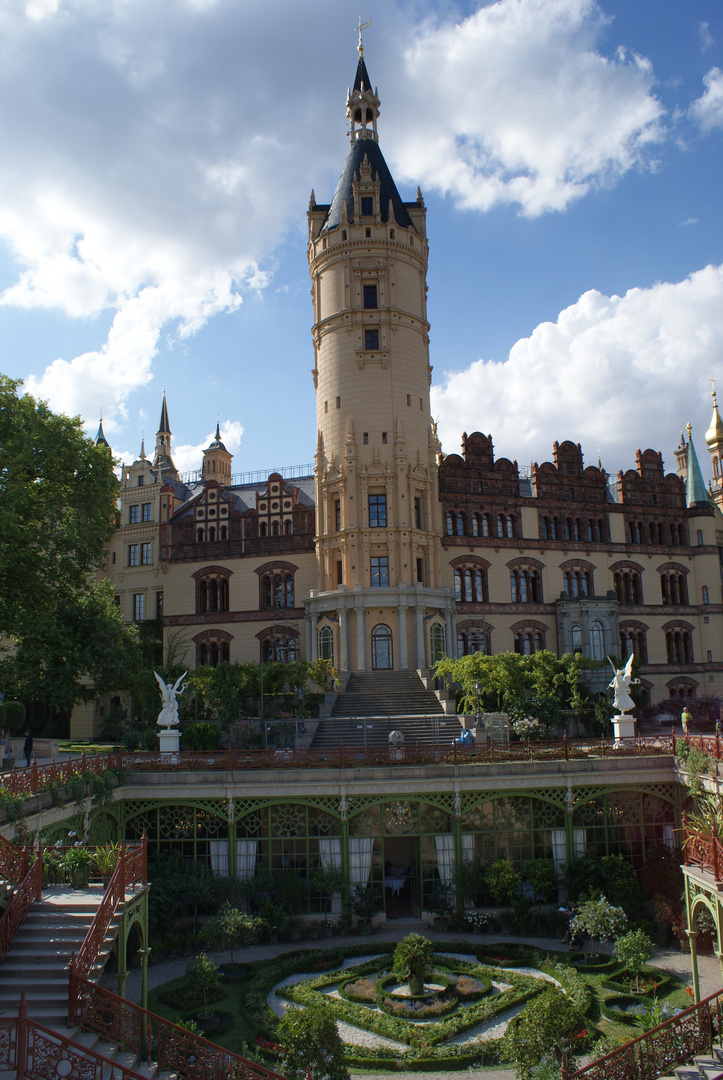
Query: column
[[143, 953], [693, 938], [361, 642], [312, 640], [449, 629], [402, 629], [452, 645], [419, 627], [343, 641]]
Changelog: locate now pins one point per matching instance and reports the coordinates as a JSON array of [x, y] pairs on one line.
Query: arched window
[[576, 637], [202, 655], [275, 528], [674, 587], [485, 525], [500, 524], [528, 641], [449, 519], [526, 586], [474, 637], [288, 527], [199, 536], [212, 532], [212, 648], [212, 591], [475, 525], [277, 590], [459, 522], [326, 644], [678, 644], [470, 585], [223, 533], [437, 647], [633, 641], [382, 649], [597, 641], [628, 585], [262, 529]]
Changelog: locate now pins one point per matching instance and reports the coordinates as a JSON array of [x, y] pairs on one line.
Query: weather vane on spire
[[712, 383], [359, 28]]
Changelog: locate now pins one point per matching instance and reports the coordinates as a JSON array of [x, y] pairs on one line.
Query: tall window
[[470, 585], [277, 590], [280, 645], [576, 637], [628, 586], [371, 339], [706, 595], [417, 512], [159, 605], [146, 557], [212, 653], [505, 525], [529, 641], [139, 607], [525, 586], [549, 528], [337, 515], [133, 514], [633, 641], [449, 523], [578, 583], [436, 642], [367, 205], [133, 555], [679, 645], [370, 296], [380, 571], [377, 511], [147, 512], [674, 587], [597, 641], [326, 644]]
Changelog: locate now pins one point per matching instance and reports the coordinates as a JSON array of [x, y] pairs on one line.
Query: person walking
[[685, 720], [28, 747]]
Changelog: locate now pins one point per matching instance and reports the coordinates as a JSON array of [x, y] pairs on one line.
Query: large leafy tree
[[57, 507]]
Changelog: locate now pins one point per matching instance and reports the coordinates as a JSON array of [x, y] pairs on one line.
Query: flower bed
[[652, 983], [624, 1007]]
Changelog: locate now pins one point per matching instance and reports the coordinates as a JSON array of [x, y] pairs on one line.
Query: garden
[[420, 1005]]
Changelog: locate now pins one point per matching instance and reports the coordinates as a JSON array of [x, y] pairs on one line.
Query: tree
[[502, 881], [548, 1027], [203, 977], [622, 886], [311, 1040], [583, 876], [599, 919], [633, 950], [412, 958], [230, 929], [57, 507], [542, 878]]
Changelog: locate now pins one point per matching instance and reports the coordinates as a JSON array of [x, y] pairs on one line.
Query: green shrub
[[548, 1027], [542, 877], [412, 958], [203, 977], [633, 950], [311, 1041], [502, 881], [202, 737]]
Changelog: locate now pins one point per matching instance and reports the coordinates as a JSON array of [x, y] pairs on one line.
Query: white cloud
[[613, 373], [707, 41], [708, 109], [515, 105]]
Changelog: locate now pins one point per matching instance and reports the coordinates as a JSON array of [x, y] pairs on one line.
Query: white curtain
[[579, 841], [559, 848], [330, 855], [360, 859], [218, 850], [445, 856], [246, 859], [668, 836], [468, 856]]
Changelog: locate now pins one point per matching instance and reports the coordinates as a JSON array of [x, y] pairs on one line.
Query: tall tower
[[378, 516], [162, 459], [714, 442], [217, 461]]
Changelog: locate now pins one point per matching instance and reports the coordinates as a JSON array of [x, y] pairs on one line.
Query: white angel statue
[[168, 716], [621, 682]]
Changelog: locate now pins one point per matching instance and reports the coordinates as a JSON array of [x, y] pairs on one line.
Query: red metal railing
[[34, 1052], [130, 872], [152, 1038], [383, 755], [703, 851], [30, 781], [14, 861], [28, 891], [659, 1050]]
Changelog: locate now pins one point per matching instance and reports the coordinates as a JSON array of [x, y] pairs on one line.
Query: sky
[[157, 162]]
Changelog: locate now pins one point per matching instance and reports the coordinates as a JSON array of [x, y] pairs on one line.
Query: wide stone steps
[[388, 693], [418, 731], [701, 1067]]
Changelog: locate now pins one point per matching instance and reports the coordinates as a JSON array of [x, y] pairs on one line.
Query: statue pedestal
[[169, 741], [623, 728]]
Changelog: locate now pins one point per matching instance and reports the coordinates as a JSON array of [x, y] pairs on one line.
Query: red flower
[[689, 992]]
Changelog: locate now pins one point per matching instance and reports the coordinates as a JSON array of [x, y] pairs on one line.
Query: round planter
[[79, 879], [364, 926], [441, 922]]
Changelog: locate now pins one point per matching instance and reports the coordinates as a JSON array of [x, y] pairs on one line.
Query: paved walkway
[[672, 960]]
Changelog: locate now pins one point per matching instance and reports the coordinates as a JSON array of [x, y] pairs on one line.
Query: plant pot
[[441, 922], [328, 932], [79, 879], [364, 926]]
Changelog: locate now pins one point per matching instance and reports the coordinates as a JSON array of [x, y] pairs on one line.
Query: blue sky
[[158, 157]]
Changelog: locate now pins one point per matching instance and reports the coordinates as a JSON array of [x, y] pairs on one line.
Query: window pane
[[370, 296], [371, 339], [380, 571], [377, 511]]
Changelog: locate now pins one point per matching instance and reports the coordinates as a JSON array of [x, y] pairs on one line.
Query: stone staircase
[[38, 960], [386, 693], [702, 1067]]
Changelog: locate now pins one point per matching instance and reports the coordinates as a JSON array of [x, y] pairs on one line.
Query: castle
[[393, 554]]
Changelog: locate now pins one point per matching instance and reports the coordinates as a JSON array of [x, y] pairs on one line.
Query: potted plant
[[328, 882], [439, 902], [76, 864], [412, 961], [106, 858], [52, 862], [365, 903], [273, 919]]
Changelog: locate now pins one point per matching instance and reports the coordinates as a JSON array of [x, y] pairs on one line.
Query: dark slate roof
[[362, 76], [100, 439], [380, 170], [164, 426]]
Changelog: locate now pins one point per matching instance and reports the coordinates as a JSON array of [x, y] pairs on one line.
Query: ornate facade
[[389, 553]]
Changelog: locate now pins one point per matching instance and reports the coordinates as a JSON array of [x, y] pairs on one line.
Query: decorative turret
[[217, 461], [714, 442], [695, 490], [100, 439], [162, 459], [681, 458]]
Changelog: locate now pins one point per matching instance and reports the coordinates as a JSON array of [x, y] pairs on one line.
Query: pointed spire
[[714, 434], [164, 426], [696, 493], [100, 439], [143, 449]]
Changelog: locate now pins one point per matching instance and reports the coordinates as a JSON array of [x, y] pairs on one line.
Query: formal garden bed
[[458, 1018]]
